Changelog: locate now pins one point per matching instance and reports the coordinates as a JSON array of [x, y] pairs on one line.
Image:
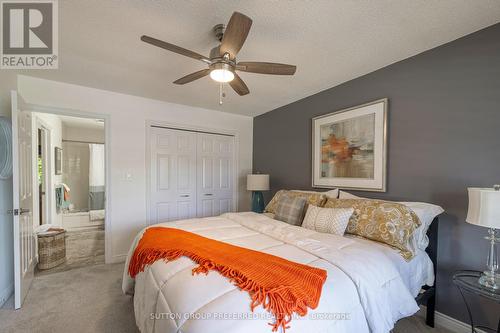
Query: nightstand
[[467, 281]]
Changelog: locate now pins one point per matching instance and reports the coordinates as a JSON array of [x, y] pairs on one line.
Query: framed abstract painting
[[350, 148]]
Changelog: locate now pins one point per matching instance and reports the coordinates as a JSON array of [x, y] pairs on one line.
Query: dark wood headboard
[[428, 297], [432, 248]]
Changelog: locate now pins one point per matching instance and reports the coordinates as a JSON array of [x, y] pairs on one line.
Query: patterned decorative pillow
[[327, 220], [314, 198], [426, 213], [290, 209], [387, 222]]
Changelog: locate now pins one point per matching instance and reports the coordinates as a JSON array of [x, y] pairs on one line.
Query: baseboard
[[5, 294], [117, 258], [449, 323], [453, 324]]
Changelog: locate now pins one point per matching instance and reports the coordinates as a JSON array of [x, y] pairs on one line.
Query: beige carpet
[[89, 299]]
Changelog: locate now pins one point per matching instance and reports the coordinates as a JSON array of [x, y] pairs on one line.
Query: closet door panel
[[207, 207], [215, 173], [184, 173], [206, 192], [224, 148], [164, 211], [184, 209], [224, 168], [173, 175], [207, 172], [225, 206], [163, 172]]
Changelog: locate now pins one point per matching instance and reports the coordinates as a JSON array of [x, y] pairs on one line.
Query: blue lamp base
[[257, 202]]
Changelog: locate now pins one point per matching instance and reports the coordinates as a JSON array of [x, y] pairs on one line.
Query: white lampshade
[[484, 207], [258, 182]]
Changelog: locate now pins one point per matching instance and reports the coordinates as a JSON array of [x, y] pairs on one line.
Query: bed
[[369, 285]]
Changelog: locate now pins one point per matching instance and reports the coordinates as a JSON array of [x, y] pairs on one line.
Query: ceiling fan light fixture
[[221, 72], [222, 75], [222, 64]]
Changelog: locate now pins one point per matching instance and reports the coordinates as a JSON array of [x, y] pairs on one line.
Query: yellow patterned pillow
[[316, 199], [391, 223]]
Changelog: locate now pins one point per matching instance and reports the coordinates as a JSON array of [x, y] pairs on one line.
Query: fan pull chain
[[222, 94]]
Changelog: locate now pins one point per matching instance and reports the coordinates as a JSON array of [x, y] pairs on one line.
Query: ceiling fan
[[222, 65]]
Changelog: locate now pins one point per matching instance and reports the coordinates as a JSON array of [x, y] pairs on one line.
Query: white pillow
[[327, 220], [334, 194], [426, 213]]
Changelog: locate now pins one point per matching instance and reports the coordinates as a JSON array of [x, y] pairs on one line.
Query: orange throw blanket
[[282, 287]]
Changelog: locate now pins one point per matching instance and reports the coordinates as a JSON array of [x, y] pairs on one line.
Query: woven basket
[[51, 249]]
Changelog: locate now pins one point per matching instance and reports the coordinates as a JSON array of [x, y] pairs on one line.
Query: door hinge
[[14, 212]]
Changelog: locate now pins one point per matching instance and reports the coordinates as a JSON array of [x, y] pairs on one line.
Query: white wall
[[7, 83], [74, 133], [54, 124], [127, 141]]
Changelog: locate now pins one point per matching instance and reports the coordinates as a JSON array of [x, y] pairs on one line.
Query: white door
[[172, 175], [22, 170], [215, 174]]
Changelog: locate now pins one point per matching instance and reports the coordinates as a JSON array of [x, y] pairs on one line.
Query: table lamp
[[484, 211], [257, 183]]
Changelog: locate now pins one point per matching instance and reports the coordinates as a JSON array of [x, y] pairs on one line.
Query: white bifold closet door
[[215, 174], [191, 174], [172, 175]]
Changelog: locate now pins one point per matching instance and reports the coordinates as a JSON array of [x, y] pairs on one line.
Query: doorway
[[70, 174], [37, 166]]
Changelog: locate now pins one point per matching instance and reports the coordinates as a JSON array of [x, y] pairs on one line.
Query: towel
[[66, 191]]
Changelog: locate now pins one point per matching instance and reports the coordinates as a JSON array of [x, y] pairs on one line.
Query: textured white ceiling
[[330, 42]]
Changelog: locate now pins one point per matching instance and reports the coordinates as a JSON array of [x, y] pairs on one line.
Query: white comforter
[[364, 291]]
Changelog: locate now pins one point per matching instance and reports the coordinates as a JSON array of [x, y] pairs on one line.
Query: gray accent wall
[[444, 135]]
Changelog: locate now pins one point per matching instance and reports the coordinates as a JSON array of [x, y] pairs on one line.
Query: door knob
[[208, 194], [185, 196], [20, 211]]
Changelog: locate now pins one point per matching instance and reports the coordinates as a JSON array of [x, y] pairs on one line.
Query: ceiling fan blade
[[193, 76], [239, 86], [235, 35], [174, 48], [266, 68]]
